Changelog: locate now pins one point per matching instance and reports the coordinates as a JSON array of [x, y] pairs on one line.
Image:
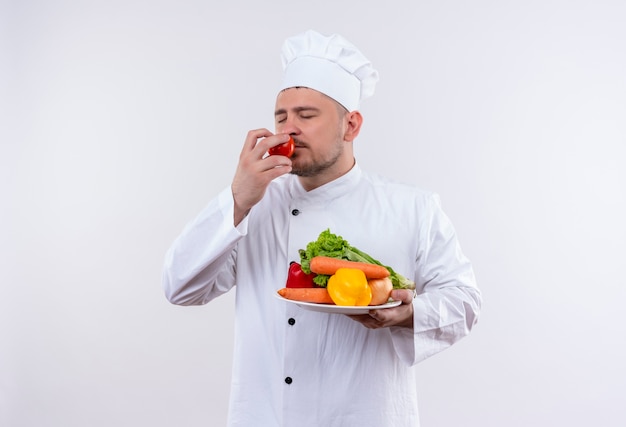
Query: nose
[[288, 126]]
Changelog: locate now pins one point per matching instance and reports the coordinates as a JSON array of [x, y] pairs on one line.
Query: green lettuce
[[334, 246]]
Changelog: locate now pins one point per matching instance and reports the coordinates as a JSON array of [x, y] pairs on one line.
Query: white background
[[121, 119]]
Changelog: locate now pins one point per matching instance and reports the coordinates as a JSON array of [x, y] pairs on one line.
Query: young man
[[294, 367]]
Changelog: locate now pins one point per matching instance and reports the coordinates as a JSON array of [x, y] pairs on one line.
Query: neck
[[312, 182]]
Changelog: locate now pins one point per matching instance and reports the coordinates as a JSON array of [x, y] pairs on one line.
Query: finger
[[366, 320], [393, 316], [271, 141], [404, 295], [277, 170], [378, 315], [252, 137], [271, 162]]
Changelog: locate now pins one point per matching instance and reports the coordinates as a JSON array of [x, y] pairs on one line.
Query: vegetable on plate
[[328, 265], [314, 295], [348, 286], [381, 290], [296, 278], [334, 246]]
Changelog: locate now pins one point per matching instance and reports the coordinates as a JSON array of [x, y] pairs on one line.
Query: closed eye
[[304, 112]]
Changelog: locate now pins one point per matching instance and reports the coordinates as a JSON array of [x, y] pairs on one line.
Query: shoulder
[[395, 188]]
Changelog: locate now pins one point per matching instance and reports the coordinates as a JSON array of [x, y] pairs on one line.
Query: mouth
[[299, 144]]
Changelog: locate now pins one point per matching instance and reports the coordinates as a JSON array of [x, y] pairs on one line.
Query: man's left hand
[[401, 315]]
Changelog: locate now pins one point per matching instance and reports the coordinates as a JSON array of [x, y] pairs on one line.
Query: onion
[[381, 290]]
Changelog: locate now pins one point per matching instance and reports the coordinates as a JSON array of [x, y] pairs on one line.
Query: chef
[[295, 367]]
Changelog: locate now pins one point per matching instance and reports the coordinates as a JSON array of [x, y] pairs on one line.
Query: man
[[295, 367]]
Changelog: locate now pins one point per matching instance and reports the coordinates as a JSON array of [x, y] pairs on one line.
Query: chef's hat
[[331, 65]]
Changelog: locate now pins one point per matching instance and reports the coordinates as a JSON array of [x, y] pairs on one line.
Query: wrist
[[239, 212]]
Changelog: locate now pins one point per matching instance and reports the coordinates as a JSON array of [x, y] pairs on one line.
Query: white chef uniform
[[299, 368]]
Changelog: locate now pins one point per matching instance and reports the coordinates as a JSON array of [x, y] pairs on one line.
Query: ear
[[354, 120]]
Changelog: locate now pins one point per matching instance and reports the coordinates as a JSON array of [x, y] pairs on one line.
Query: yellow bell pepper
[[348, 286]]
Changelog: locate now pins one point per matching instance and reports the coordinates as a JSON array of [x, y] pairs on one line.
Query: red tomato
[[285, 149]]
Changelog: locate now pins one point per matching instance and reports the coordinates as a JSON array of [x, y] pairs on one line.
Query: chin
[[298, 172], [305, 172]]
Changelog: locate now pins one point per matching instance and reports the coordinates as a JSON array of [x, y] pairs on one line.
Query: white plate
[[340, 309]]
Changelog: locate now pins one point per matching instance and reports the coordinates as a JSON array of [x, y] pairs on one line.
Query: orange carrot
[[316, 295], [328, 265]]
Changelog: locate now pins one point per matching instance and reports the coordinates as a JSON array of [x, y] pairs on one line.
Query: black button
[[291, 321], [288, 380], [295, 212]]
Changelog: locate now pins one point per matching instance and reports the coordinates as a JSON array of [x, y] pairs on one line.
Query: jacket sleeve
[[200, 264], [447, 302]]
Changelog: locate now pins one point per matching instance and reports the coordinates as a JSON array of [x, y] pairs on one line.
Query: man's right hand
[[255, 170]]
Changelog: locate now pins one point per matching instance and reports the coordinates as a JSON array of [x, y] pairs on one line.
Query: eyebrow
[[296, 110]]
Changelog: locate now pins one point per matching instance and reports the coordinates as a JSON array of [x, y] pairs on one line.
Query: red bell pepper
[[296, 278]]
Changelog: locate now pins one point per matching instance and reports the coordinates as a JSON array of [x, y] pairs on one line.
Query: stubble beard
[[314, 168]]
